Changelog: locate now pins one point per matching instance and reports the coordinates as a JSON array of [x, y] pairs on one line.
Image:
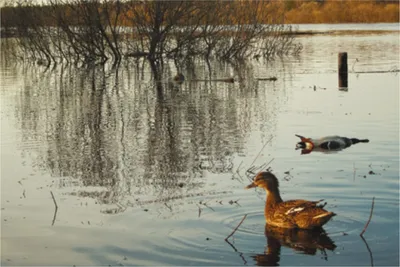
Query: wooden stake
[[343, 70]]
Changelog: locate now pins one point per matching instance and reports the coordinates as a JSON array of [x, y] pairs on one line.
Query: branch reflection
[[109, 134]]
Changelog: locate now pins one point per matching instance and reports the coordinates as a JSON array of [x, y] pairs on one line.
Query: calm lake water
[[140, 181]]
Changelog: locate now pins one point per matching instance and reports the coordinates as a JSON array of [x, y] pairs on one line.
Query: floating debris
[[273, 78]]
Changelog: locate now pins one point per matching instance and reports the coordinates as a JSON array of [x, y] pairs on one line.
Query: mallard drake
[[299, 213], [328, 143]]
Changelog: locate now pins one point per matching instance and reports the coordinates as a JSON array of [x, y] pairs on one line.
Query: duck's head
[[306, 147], [305, 144], [265, 180]]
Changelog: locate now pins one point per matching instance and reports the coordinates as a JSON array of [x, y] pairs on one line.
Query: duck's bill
[[250, 186]]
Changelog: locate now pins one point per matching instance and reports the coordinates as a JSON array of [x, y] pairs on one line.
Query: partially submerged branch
[[56, 208], [369, 219], [96, 31], [237, 227]]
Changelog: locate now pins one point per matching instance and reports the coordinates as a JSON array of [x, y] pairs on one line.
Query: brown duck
[[299, 213]]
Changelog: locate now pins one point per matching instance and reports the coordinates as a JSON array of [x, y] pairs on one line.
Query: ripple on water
[[252, 225]]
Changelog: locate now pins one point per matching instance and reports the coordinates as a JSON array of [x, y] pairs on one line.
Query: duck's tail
[[355, 140], [323, 218]]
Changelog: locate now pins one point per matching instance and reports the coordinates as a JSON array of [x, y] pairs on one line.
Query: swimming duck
[[299, 213], [328, 143]]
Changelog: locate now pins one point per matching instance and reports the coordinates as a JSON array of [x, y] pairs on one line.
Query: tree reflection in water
[[110, 135], [302, 241]]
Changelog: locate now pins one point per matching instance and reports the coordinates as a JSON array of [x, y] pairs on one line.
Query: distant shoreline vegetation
[[95, 31], [292, 11], [341, 11]]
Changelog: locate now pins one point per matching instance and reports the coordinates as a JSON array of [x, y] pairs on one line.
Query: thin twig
[[205, 204], [237, 170], [240, 253], [54, 200], [55, 210], [250, 170], [234, 230], [165, 203], [241, 178], [369, 250], [269, 162], [370, 216], [253, 170], [354, 171], [199, 210], [355, 61], [377, 71], [261, 151]]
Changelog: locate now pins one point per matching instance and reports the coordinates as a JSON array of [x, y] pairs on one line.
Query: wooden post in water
[[343, 71]]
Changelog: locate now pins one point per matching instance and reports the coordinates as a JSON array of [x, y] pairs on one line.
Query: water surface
[[143, 181]]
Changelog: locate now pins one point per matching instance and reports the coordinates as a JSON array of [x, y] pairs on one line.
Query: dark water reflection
[[303, 241]]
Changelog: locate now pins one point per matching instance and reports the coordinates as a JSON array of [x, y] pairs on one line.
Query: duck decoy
[[299, 213], [326, 144]]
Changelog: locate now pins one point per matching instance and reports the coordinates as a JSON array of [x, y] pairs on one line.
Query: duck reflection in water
[[327, 144], [300, 240]]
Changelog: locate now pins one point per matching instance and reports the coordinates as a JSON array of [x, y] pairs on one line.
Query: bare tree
[[92, 31]]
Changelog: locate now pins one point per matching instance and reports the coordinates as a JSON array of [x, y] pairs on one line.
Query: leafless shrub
[[94, 31]]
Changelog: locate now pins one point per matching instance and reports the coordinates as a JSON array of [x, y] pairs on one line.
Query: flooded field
[[143, 181]]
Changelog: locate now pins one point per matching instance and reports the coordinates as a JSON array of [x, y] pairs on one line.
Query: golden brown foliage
[[275, 12], [340, 11]]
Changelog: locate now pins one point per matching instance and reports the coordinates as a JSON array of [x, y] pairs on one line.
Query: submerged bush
[[94, 31]]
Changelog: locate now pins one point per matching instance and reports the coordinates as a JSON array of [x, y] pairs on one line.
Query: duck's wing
[[292, 207], [336, 144], [284, 213], [302, 213], [312, 217], [332, 145]]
